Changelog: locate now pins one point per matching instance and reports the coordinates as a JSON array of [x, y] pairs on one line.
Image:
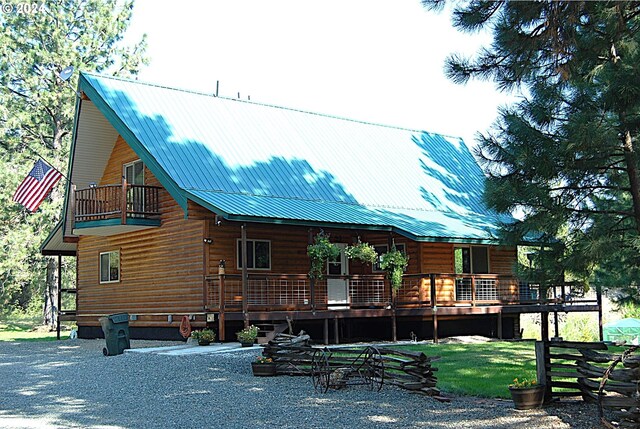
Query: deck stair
[[268, 331]]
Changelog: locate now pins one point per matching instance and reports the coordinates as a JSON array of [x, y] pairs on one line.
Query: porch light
[[207, 240]]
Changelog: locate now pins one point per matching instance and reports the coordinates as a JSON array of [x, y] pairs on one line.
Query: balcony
[[115, 209]]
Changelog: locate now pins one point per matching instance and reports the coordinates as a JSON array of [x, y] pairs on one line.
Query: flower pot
[[246, 343], [263, 369], [204, 342], [527, 398]]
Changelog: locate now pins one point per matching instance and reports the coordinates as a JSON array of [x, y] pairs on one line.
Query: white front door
[[337, 288]]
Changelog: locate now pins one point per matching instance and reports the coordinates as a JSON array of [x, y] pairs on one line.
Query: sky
[[378, 61]]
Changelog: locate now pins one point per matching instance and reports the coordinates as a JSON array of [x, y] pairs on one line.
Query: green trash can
[[116, 333]]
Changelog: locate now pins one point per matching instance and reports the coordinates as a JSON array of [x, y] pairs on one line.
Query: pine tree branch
[[591, 187]]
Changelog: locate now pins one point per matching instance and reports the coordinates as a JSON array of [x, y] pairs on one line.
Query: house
[[171, 190]]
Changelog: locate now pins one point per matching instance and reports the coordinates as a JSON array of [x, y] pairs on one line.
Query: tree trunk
[[51, 294], [632, 172]]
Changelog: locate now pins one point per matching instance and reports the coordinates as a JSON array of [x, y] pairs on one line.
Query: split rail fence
[[598, 373], [406, 369]]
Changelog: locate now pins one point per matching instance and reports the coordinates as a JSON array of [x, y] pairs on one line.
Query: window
[[134, 173], [110, 267], [471, 260], [384, 248], [258, 254]]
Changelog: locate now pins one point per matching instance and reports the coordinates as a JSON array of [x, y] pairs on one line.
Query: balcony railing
[[107, 202], [297, 292]]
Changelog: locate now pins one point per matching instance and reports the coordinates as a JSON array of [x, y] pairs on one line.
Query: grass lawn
[[26, 329], [483, 369]]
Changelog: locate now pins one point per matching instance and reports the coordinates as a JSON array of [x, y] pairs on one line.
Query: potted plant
[[321, 251], [247, 336], [204, 337], [526, 394], [394, 262], [363, 252], [263, 367]]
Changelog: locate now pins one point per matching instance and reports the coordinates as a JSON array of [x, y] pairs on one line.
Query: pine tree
[[36, 117], [566, 155]]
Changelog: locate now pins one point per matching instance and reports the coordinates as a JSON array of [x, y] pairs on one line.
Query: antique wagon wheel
[[320, 371], [374, 374]]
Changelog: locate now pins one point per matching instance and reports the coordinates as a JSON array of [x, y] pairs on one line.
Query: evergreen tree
[[566, 155], [36, 117]]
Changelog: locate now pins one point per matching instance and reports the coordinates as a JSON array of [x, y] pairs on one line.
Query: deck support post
[[599, 300], [336, 330], [500, 325], [221, 307], [394, 326], [325, 331], [59, 304], [434, 306], [435, 325], [245, 280], [544, 326], [312, 281], [312, 285]]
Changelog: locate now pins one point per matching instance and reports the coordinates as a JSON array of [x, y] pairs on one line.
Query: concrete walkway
[[194, 349]]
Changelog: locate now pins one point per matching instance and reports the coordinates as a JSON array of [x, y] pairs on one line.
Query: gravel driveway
[[69, 384]]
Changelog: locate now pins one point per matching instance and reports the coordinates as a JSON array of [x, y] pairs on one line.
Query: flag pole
[[50, 165]]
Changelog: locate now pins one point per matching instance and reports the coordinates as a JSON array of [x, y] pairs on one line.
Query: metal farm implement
[[347, 367]]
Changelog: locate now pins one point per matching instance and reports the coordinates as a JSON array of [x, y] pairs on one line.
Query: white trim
[[339, 285], [100, 267], [253, 240]]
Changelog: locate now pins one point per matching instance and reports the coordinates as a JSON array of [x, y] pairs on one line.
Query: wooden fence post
[[542, 362]]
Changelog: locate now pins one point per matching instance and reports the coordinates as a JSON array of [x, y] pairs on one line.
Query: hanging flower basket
[[363, 252], [394, 262], [321, 251]]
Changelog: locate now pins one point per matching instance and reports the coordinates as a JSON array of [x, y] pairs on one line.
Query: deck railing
[[107, 202], [298, 292]]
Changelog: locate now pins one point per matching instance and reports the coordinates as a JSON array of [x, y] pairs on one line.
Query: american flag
[[36, 186]]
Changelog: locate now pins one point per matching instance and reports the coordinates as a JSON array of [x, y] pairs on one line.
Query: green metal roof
[[251, 161]]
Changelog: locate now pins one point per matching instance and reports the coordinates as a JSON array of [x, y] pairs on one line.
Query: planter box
[[263, 369], [527, 398]]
